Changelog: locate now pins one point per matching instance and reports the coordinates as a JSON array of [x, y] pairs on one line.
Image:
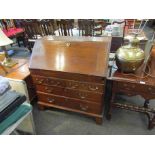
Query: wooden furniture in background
[[47, 26], [33, 32], [65, 27], [123, 23], [99, 27], [86, 27], [71, 73], [132, 85]]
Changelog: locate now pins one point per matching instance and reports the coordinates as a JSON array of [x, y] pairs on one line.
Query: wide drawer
[[83, 95], [135, 87], [69, 84], [70, 103]]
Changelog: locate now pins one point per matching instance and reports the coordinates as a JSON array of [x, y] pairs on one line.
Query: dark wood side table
[[132, 85]]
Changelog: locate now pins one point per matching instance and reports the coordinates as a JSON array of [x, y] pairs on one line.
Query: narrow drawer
[[69, 84], [126, 86], [135, 87], [85, 86], [48, 81], [70, 103], [82, 95], [149, 90]]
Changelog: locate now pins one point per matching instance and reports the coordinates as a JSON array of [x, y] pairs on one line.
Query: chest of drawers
[[69, 73]]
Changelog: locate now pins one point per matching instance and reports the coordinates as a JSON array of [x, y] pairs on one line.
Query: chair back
[[65, 27], [47, 26], [121, 22], [86, 27], [32, 29]]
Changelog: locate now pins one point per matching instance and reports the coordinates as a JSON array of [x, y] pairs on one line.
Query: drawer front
[[70, 103], [48, 81], [83, 95], [126, 86], [149, 90], [85, 86], [69, 84], [135, 88]]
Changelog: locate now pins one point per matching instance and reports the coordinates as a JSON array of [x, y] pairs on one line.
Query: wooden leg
[[151, 121], [41, 107], [110, 107], [146, 104], [99, 120]]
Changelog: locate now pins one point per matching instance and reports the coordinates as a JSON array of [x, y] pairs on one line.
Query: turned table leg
[[151, 117], [146, 104]]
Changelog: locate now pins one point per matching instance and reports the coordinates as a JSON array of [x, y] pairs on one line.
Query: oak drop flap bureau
[[69, 73]]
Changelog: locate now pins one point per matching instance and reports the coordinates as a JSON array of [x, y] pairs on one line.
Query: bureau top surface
[[82, 55]]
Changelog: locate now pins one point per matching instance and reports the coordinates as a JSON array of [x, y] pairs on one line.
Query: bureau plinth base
[[98, 118], [41, 107]]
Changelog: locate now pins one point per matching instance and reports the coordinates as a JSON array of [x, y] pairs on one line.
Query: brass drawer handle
[[73, 87], [48, 90], [40, 81], [93, 89], [70, 85], [54, 83], [57, 83], [151, 90], [50, 100], [125, 85], [84, 108], [82, 96]]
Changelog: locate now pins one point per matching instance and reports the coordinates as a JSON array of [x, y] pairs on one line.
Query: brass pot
[[130, 57]]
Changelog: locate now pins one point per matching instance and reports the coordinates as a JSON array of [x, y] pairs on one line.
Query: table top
[[82, 55], [20, 71], [140, 77], [13, 31]]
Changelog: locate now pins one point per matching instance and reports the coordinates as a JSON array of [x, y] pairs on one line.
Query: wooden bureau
[[69, 73]]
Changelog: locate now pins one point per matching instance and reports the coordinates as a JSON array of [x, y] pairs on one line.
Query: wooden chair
[[33, 32], [47, 26], [99, 27], [65, 27], [124, 26], [86, 27], [129, 23]]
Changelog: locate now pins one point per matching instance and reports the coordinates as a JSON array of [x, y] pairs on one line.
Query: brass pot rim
[[130, 59]]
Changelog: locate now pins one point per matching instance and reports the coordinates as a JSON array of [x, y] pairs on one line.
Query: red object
[[13, 31]]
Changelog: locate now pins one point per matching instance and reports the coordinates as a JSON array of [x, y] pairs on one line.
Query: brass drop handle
[[82, 96], [93, 89], [48, 90], [150, 89], [50, 100], [55, 83], [84, 108], [72, 86], [39, 81]]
